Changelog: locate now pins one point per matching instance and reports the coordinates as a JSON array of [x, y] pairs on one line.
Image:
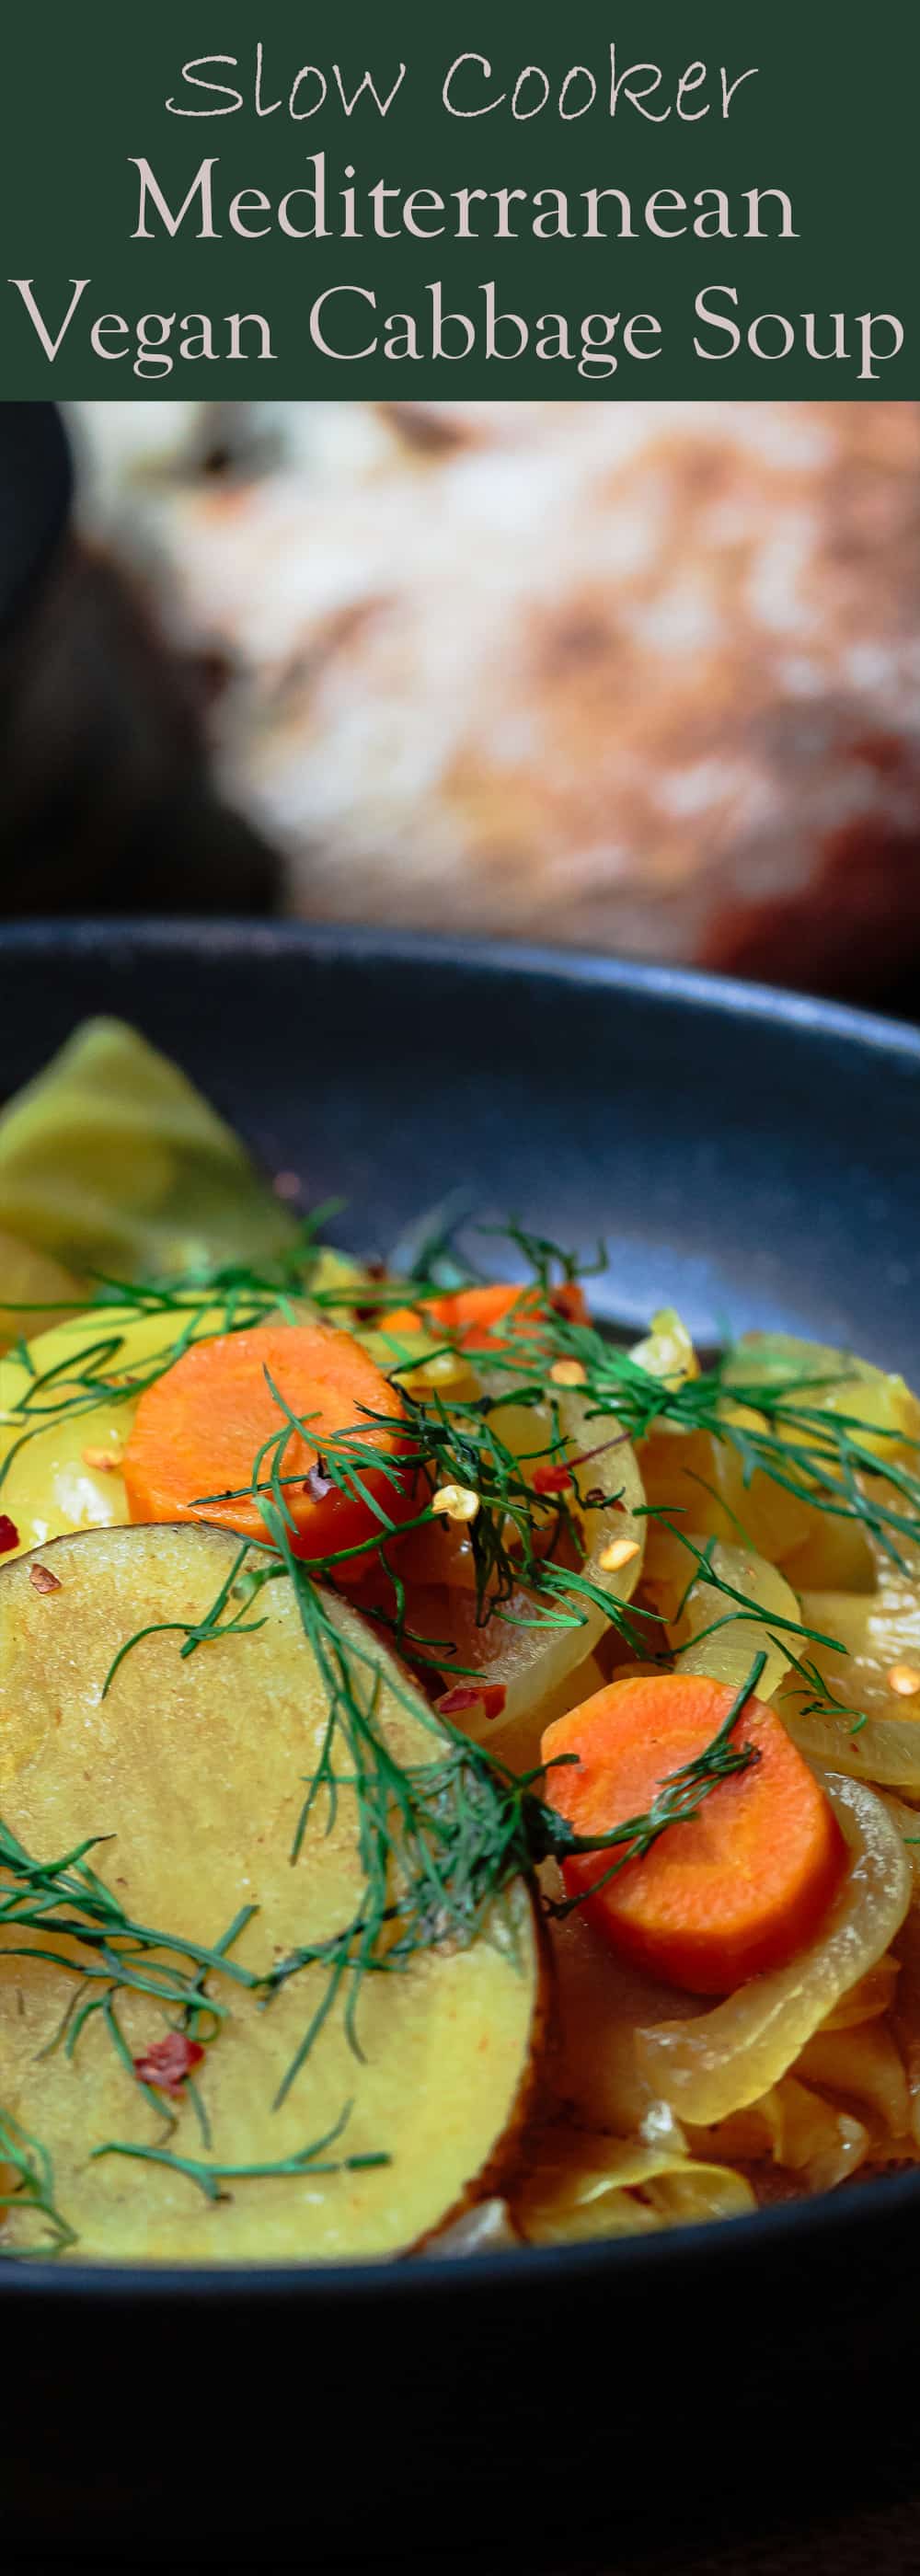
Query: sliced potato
[[65, 1477], [196, 1769]]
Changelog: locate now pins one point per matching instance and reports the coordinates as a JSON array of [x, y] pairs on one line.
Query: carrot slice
[[739, 1887], [199, 1428], [400, 1319], [469, 1315]]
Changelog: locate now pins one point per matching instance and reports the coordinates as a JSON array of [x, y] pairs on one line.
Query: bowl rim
[[832, 2216], [729, 996]]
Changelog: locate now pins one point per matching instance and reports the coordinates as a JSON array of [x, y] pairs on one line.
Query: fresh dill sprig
[[64, 1900], [679, 1799], [100, 1372], [744, 1608], [516, 1532], [199, 1302], [815, 1695], [209, 2177], [440, 1840], [32, 2188], [821, 1456]]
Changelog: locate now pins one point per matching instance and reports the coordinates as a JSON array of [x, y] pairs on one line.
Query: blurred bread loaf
[[643, 677]]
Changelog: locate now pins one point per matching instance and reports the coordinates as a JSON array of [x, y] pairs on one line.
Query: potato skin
[[196, 1768], [534, 2096]]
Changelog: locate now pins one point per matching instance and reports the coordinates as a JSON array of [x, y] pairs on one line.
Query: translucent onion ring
[[723, 2060], [589, 2191], [726, 1653], [535, 1665], [793, 2128], [878, 1631], [886, 1749]]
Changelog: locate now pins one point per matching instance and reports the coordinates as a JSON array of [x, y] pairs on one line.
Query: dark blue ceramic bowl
[[751, 1157]]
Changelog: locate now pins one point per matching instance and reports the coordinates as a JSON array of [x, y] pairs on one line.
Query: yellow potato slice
[[196, 1768], [65, 1476]]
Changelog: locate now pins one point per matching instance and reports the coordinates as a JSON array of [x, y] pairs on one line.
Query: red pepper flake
[[569, 1300], [169, 2061], [42, 1579], [9, 1534], [551, 1480], [465, 1695]]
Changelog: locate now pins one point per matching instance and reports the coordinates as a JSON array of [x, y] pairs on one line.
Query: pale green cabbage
[[111, 1160]]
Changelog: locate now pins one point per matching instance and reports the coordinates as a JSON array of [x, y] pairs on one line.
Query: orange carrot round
[[199, 1428], [469, 1315], [735, 1889]]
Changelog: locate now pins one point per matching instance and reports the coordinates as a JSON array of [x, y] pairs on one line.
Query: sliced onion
[[726, 1654], [667, 1350], [718, 2062], [826, 1552], [796, 2130], [906, 2012], [873, 1996], [698, 1477], [596, 2187], [538, 1664], [603, 2000], [877, 1631], [865, 2067], [907, 1824], [484, 2229]]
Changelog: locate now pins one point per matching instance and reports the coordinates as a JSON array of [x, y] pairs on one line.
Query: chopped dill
[[32, 2188], [65, 1900], [680, 1797], [442, 1839], [209, 2177]]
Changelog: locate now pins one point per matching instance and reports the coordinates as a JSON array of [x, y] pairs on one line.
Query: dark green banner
[[685, 197]]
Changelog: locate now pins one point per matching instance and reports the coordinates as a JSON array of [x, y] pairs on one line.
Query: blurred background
[[640, 677]]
